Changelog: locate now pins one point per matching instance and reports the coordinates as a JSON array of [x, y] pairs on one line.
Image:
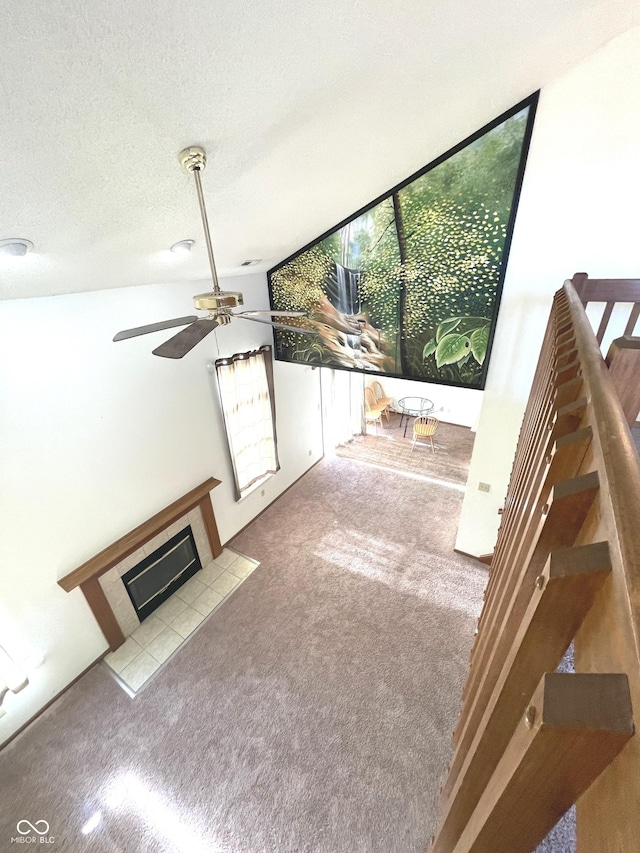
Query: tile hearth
[[171, 624]]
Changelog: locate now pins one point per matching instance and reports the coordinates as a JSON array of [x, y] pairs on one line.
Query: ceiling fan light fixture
[[182, 247], [15, 246]]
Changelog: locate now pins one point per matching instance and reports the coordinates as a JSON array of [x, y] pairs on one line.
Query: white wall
[[96, 437], [453, 405], [578, 212]]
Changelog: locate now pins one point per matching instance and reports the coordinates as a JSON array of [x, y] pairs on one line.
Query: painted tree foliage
[[427, 263]]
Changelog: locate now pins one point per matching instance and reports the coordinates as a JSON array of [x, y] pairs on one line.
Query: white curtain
[[246, 393], [342, 406]]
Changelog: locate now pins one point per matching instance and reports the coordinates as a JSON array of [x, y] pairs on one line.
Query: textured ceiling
[[307, 112]]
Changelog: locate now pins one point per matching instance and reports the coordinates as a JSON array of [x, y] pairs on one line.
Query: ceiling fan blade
[[276, 325], [271, 313], [184, 341], [292, 328], [153, 327]]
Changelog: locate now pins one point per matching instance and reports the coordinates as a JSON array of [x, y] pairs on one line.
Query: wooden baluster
[[604, 322], [629, 329], [567, 419], [511, 536], [568, 392], [522, 496], [563, 595], [567, 455], [538, 400], [536, 416], [559, 523], [574, 727]]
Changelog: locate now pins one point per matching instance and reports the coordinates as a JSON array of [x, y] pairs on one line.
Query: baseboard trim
[[39, 713], [481, 559]]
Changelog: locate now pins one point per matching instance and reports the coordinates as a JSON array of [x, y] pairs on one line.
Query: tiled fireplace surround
[[100, 578], [111, 581]]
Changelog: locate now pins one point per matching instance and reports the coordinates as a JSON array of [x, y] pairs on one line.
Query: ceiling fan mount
[[193, 158], [218, 304]]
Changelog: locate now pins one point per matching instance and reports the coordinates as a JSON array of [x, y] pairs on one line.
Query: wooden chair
[[376, 387], [424, 428], [372, 408]]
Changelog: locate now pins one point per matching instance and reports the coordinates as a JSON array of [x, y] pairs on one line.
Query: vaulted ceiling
[[307, 111]]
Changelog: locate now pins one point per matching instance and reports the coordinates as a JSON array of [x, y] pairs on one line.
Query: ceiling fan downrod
[[194, 159]]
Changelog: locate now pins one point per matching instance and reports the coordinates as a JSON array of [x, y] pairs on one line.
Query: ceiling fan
[[218, 303]]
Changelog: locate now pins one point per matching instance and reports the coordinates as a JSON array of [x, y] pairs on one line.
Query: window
[[246, 393]]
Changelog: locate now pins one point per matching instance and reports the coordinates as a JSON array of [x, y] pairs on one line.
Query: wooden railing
[[531, 741], [610, 292]]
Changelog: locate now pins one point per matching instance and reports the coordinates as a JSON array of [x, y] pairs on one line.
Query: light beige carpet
[[311, 714]]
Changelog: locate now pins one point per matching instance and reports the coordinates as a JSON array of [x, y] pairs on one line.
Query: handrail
[[566, 567], [610, 291], [619, 453], [603, 289]]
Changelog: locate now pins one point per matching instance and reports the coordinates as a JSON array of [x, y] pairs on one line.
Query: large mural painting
[[410, 286]]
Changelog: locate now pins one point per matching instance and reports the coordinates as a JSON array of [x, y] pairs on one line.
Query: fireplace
[[159, 575], [100, 578]]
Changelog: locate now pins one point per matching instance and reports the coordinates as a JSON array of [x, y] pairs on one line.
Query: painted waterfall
[[410, 285]]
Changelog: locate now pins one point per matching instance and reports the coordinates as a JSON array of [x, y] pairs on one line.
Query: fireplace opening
[[159, 575]]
